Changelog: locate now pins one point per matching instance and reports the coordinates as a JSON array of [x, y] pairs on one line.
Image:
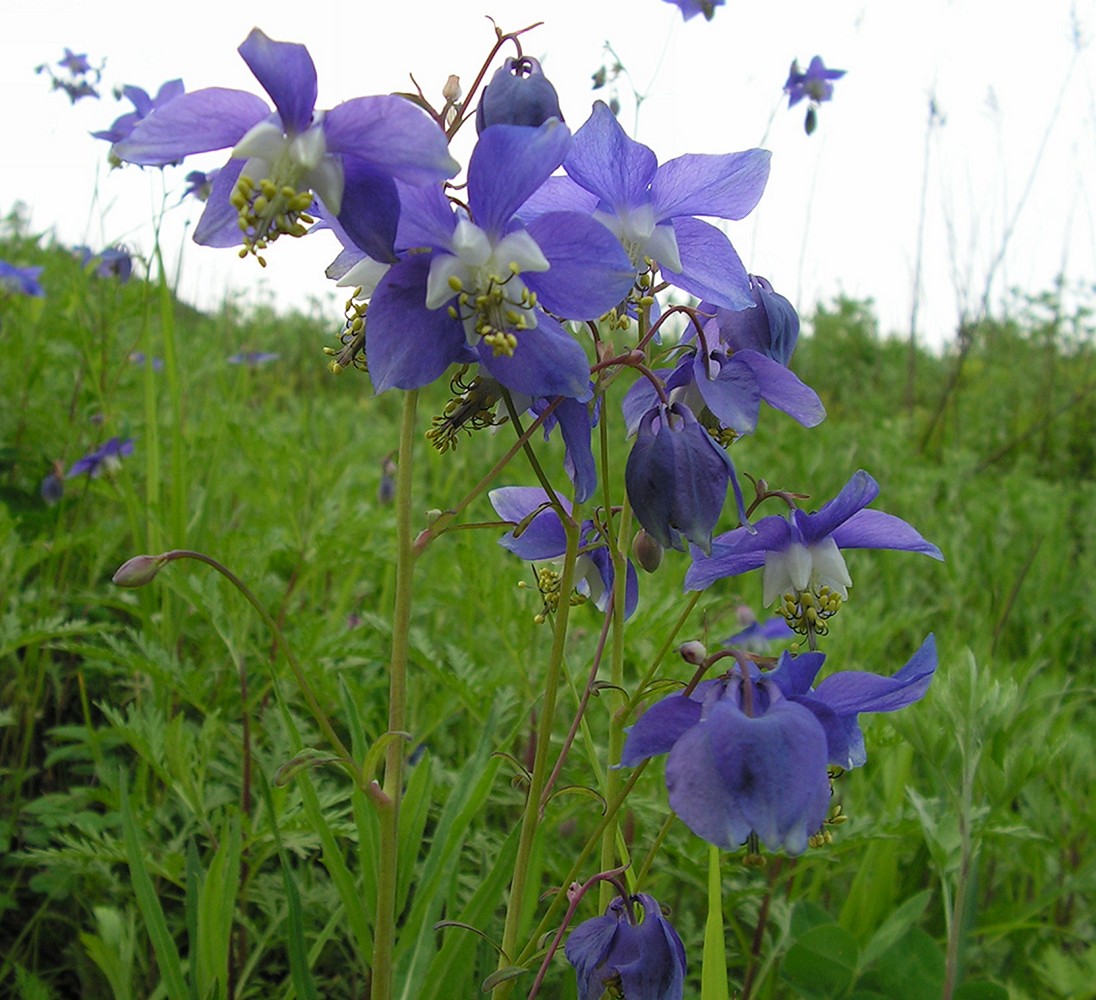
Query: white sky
[[840, 214]]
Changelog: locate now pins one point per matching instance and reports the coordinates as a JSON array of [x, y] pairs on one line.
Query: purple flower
[[755, 636], [143, 106], [815, 83], [482, 287], [770, 328], [349, 156], [140, 358], [200, 184], [749, 751], [105, 459], [651, 209], [542, 538], [253, 359], [113, 262], [20, 280], [690, 8], [677, 477], [75, 64], [628, 954], [801, 554], [519, 94]]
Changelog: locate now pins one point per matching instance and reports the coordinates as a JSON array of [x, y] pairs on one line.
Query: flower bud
[[451, 91], [647, 550], [693, 652], [519, 94], [138, 571]]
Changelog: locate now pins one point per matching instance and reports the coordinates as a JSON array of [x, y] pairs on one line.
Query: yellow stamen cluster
[[723, 436], [823, 836], [495, 316], [472, 408], [267, 211], [548, 585], [352, 338], [807, 612]]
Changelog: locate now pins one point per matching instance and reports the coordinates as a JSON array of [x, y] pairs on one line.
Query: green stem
[[531, 818], [384, 936]]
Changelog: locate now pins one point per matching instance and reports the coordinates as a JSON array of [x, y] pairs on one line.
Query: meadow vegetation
[[166, 829]]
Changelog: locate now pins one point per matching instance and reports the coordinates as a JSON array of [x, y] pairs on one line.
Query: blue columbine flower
[[519, 94], [801, 554], [677, 477], [542, 539], [482, 287], [113, 262], [815, 83], [20, 280], [103, 460], [770, 328], [690, 8], [347, 156], [143, 106], [749, 751], [199, 184], [626, 953], [756, 636], [253, 359], [651, 209]]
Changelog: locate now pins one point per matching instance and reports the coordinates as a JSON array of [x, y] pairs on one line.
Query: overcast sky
[[1011, 151]]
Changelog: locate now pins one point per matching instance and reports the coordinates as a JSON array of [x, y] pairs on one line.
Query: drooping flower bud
[[647, 550], [519, 94], [138, 571]]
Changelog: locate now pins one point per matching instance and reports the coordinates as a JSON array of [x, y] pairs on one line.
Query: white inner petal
[[266, 141]]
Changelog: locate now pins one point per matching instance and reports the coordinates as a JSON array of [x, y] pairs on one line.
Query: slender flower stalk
[[385, 931]]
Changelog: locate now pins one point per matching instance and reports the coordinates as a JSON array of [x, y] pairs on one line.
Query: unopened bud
[[451, 91], [432, 515], [138, 571], [693, 652], [647, 550]]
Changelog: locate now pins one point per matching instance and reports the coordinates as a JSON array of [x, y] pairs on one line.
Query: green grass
[[146, 849]]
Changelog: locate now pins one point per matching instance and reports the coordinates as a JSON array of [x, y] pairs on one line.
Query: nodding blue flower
[[82, 76], [690, 8], [756, 636], [20, 280], [143, 106], [113, 262], [801, 553], [815, 83], [770, 328], [103, 460], [348, 157], [478, 286], [749, 752], [677, 477], [652, 209], [630, 951], [76, 64], [519, 94], [541, 538]]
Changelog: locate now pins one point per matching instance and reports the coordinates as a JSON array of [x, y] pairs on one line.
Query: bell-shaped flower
[[801, 553], [677, 477], [652, 209], [538, 536], [743, 760], [519, 94], [770, 328], [348, 157], [482, 287], [630, 951]]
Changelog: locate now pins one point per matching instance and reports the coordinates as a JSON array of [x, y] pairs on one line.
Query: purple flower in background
[[519, 94], [20, 280], [801, 554], [75, 64], [113, 262], [253, 359], [652, 209], [143, 106], [139, 358], [105, 459], [542, 538], [349, 156], [690, 8], [677, 477], [481, 287], [749, 751], [200, 184], [815, 83], [626, 953], [755, 636]]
